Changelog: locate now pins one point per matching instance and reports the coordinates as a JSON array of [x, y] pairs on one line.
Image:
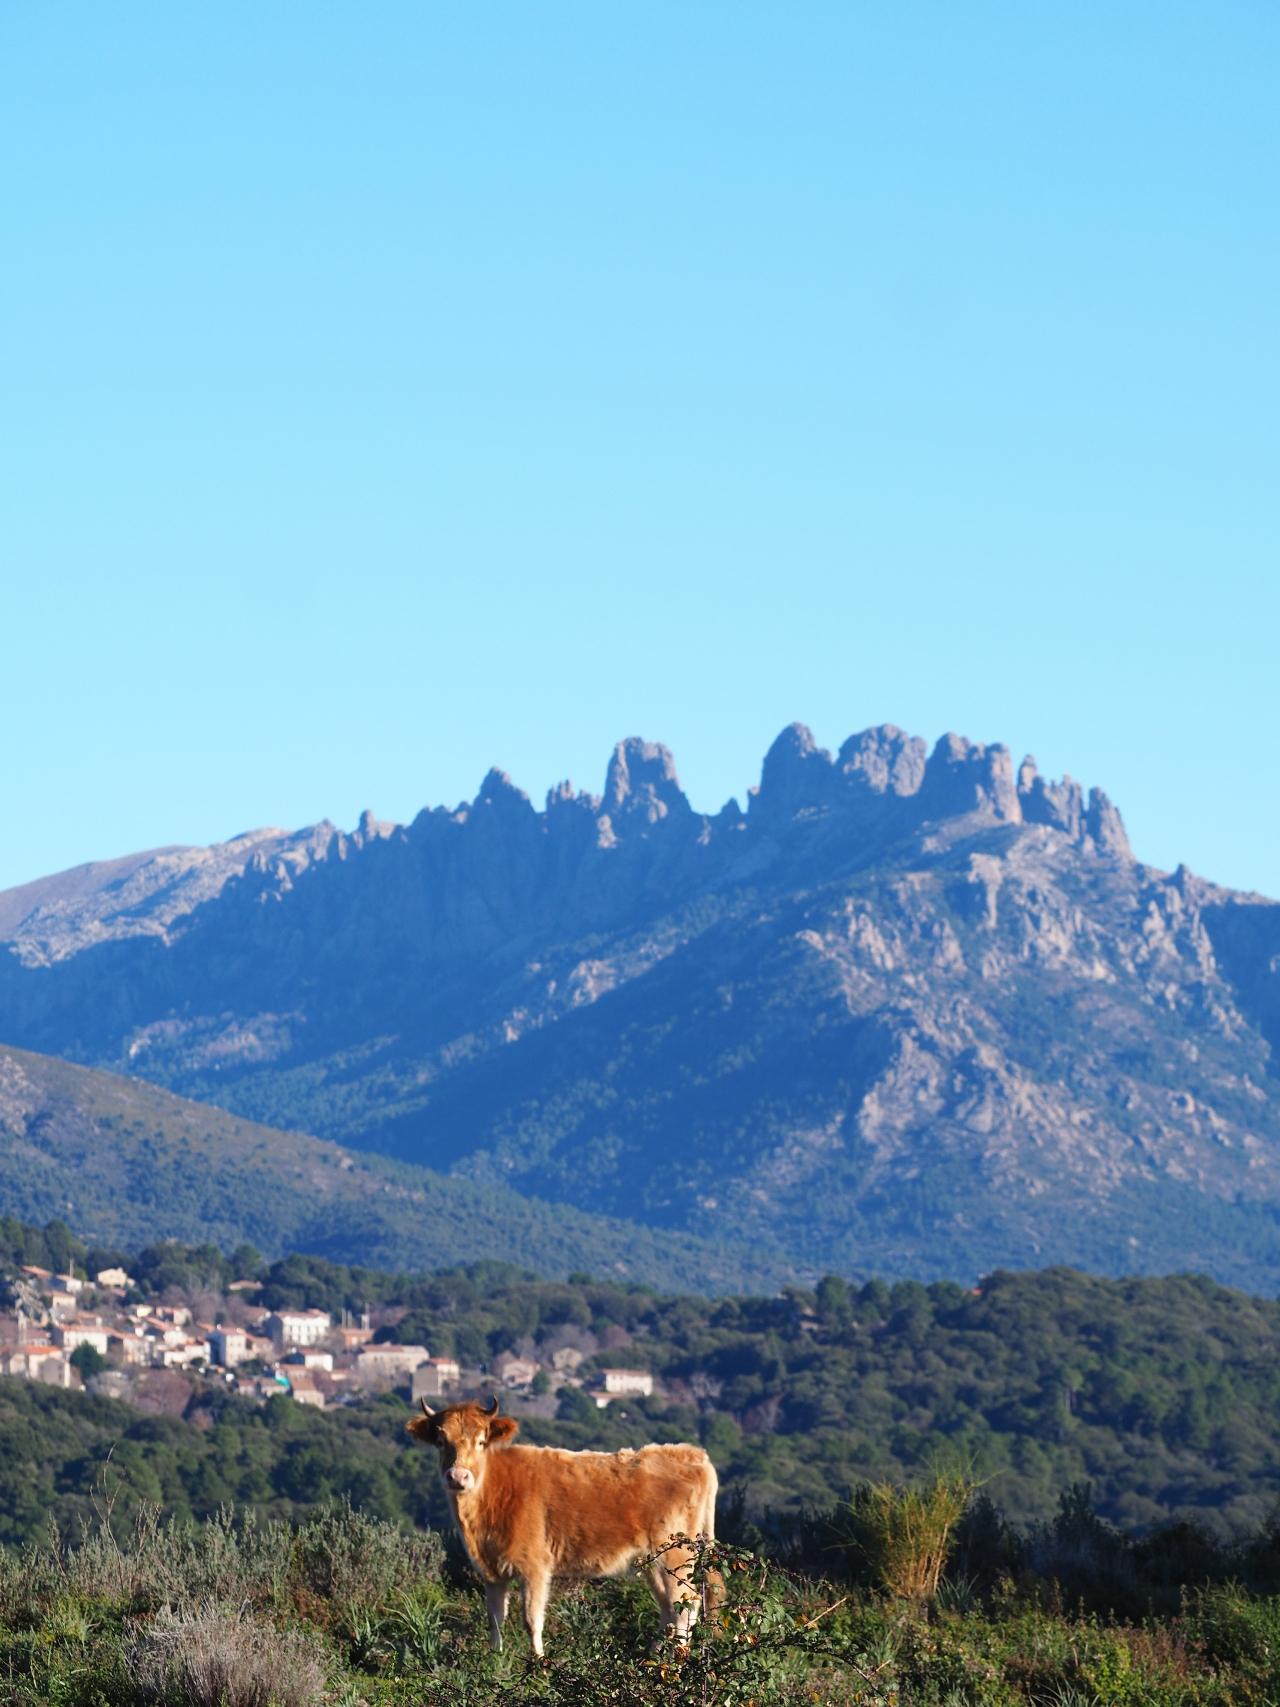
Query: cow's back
[[594, 1513]]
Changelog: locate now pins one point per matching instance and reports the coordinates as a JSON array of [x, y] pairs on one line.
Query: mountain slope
[[909, 1012], [126, 1164]]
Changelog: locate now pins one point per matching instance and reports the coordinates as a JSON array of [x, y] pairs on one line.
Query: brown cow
[[536, 1512]]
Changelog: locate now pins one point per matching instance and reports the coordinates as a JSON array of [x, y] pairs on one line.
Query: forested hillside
[[1162, 1393], [128, 1163]]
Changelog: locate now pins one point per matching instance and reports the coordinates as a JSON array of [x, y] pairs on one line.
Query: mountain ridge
[[50, 918], [910, 1007]]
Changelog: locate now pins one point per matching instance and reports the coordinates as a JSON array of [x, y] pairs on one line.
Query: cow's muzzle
[[459, 1479]]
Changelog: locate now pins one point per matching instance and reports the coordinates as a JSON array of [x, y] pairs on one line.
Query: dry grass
[[208, 1657], [905, 1532]]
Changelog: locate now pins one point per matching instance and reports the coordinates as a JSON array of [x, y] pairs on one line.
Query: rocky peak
[[884, 760], [499, 794], [883, 785], [1058, 804], [797, 774], [642, 782], [1103, 823], [964, 776]]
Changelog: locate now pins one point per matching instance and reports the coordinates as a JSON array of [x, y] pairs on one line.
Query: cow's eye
[[481, 1444]]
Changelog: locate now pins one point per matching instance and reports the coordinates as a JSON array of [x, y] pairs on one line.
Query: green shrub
[[348, 1559], [904, 1533], [1239, 1630]]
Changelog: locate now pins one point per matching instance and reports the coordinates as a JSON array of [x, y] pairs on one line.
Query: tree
[[245, 1262], [88, 1360], [835, 1307], [575, 1406], [62, 1245]]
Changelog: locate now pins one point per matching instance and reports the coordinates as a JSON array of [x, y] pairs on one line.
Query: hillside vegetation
[[128, 1163], [343, 1609], [1160, 1393]]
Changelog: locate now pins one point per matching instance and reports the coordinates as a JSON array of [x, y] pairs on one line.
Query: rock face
[[911, 1012], [145, 894]]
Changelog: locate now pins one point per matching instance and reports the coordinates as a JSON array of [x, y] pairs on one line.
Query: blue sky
[[394, 391]]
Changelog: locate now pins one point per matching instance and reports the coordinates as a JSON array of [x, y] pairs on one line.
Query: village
[[96, 1332]]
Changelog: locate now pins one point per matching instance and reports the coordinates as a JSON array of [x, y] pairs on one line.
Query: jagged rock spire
[[642, 780], [965, 776]]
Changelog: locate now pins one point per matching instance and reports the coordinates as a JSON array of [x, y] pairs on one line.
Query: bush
[[1238, 1630], [207, 1657], [164, 1562], [904, 1533], [348, 1559]]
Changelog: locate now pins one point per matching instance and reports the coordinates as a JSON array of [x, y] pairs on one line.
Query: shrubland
[[1045, 1490], [343, 1608]]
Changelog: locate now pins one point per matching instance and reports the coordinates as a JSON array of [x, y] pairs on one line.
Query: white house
[[130, 1348], [298, 1327], [302, 1387], [182, 1355], [631, 1383], [305, 1358], [38, 1362], [177, 1315], [70, 1335]]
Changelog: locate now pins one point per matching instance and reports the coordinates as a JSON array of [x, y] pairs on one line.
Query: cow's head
[[462, 1434]]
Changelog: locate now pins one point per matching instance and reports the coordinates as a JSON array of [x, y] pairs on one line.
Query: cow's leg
[[688, 1606], [495, 1600], [671, 1579], [536, 1589], [683, 1598], [659, 1582]]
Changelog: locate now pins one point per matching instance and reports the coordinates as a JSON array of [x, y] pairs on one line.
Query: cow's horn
[[426, 1408], [492, 1410]]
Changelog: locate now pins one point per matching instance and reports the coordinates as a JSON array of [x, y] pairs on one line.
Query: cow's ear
[[423, 1428], [503, 1428]]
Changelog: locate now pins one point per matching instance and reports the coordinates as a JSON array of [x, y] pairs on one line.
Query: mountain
[[909, 1012], [126, 1164], [140, 895]]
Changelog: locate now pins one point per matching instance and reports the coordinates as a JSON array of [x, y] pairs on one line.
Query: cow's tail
[[712, 1580]]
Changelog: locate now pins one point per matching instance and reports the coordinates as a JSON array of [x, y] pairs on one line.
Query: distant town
[[97, 1332]]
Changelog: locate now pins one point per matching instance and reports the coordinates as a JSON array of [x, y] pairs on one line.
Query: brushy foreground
[[347, 1609]]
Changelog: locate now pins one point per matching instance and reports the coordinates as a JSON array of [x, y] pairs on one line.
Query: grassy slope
[[125, 1164]]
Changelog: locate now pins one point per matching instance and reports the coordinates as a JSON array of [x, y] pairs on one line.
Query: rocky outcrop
[[1061, 805], [1058, 804], [963, 777], [642, 784], [883, 761], [1105, 827], [798, 777]]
